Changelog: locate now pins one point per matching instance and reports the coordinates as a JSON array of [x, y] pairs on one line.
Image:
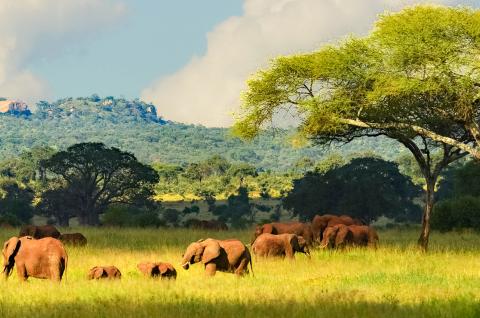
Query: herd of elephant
[[39, 251]]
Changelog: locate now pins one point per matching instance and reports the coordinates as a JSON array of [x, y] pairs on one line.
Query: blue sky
[[190, 58], [154, 38]]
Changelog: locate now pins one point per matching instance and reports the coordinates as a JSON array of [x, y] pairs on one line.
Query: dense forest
[[137, 127]]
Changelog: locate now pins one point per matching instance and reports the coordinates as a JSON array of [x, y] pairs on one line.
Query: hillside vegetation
[[137, 127]]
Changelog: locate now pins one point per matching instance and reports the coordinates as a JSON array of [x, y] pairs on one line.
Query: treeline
[[104, 185], [137, 127], [90, 180]]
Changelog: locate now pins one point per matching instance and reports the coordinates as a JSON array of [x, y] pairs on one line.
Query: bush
[[147, 218], [458, 213], [122, 216], [171, 216], [9, 219]]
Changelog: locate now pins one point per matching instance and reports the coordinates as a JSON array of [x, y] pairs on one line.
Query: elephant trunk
[[307, 252], [186, 265], [325, 245]]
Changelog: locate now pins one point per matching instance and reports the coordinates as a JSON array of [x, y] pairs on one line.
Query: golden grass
[[394, 281]]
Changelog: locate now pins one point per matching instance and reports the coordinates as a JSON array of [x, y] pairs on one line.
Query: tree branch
[[419, 130]]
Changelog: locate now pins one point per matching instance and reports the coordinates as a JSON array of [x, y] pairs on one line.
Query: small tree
[[241, 171], [98, 176]]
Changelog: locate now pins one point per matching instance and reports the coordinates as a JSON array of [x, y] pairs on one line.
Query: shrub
[[171, 216], [147, 218], [458, 213], [122, 216], [117, 216]]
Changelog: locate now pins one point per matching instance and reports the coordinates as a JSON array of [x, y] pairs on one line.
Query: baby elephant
[[101, 272], [162, 270], [280, 245], [231, 256], [75, 239]]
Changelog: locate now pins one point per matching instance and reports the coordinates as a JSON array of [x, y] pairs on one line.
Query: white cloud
[[33, 29], [206, 91]]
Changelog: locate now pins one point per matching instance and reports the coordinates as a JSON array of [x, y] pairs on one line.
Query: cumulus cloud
[[34, 29], [206, 90]]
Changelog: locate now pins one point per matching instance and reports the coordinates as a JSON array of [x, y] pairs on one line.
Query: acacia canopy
[[414, 78], [418, 72]]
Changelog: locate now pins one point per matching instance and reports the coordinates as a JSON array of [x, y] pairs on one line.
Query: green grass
[[395, 280]]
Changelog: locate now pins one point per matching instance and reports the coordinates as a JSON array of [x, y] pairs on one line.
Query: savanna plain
[[396, 280]]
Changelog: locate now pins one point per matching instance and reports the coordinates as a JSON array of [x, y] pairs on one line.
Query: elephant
[[298, 228], [39, 232], [231, 256], [280, 245], [321, 222], [44, 258], [159, 269], [75, 239], [341, 235], [104, 272]]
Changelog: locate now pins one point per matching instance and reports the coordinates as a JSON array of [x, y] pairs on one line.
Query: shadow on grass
[[155, 306]]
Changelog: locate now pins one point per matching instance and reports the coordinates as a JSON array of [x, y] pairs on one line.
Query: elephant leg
[[210, 269], [22, 272], [289, 252], [242, 267], [55, 273]]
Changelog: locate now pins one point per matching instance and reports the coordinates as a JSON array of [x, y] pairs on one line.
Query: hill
[[135, 126]]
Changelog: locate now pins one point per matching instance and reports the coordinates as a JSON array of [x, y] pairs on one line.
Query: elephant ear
[[293, 240], [99, 272], [211, 251], [146, 268], [96, 273], [10, 250], [163, 268]]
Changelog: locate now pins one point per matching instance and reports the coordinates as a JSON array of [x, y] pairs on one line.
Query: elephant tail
[[251, 267], [64, 264]]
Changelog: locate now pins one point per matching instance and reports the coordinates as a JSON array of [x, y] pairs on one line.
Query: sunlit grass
[[396, 280]]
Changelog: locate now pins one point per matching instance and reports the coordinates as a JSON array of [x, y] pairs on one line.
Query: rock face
[[14, 107]]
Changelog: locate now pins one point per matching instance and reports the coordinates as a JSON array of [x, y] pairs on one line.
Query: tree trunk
[[93, 218], [429, 202], [63, 221]]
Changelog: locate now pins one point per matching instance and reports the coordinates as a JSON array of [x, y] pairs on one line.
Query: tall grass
[[396, 280]]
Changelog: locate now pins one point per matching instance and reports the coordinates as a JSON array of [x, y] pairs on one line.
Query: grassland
[[394, 281]]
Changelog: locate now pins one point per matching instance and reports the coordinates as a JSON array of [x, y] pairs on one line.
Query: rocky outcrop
[[14, 107]]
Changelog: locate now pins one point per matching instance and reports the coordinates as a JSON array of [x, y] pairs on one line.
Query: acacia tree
[[415, 78], [97, 177]]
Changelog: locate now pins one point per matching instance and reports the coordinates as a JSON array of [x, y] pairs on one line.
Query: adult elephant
[[321, 222], [44, 258], [39, 232], [340, 235], [231, 256], [298, 228], [282, 245]]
